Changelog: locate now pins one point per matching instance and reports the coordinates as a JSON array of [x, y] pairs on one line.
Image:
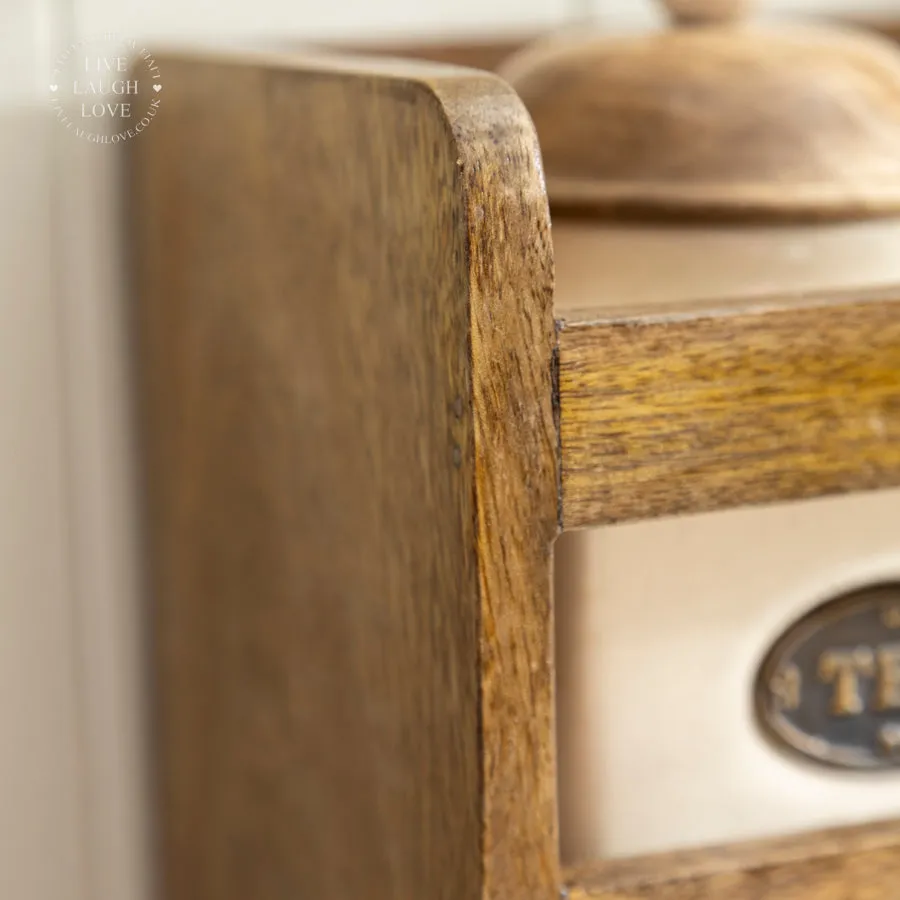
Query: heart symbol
[[53, 88], [157, 88]]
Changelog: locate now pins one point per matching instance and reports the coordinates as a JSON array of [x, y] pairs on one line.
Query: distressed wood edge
[[517, 478]]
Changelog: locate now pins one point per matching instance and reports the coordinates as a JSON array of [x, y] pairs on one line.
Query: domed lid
[[716, 116]]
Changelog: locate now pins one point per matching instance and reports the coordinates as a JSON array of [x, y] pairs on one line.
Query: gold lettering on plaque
[[829, 688], [786, 685], [843, 668], [888, 687]]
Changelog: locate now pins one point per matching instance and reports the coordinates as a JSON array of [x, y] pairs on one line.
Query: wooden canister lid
[[717, 116]]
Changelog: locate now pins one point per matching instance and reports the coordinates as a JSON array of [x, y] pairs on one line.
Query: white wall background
[[72, 822], [42, 854], [370, 18]]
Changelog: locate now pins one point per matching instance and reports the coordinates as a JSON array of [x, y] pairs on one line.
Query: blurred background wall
[[73, 822]]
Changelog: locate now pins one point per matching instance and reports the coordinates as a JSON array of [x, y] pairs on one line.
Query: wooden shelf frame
[[692, 409], [363, 429]]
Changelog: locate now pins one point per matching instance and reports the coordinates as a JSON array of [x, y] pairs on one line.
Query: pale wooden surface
[[351, 460], [777, 122]]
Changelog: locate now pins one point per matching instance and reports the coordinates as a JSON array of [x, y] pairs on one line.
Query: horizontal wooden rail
[[690, 410], [860, 861]]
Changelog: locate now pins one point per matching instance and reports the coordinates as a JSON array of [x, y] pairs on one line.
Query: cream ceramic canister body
[[662, 625]]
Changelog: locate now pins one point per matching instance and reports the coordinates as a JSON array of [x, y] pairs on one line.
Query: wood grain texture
[[343, 283], [517, 490], [859, 863], [716, 407], [789, 122]]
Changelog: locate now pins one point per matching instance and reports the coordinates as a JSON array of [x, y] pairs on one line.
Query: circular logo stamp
[[106, 89]]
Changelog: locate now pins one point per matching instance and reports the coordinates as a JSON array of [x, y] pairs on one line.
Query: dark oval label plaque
[[830, 687]]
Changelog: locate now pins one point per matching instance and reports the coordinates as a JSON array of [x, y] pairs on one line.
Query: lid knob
[[706, 12]]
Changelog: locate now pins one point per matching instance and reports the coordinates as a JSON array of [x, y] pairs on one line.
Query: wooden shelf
[[817, 865], [345, 324], [669, 406]]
